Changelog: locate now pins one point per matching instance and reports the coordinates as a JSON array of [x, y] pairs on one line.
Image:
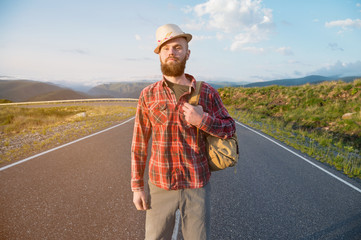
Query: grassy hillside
[[26, 90], [119, 90], [323, 120], [62, 94], [22, 90]]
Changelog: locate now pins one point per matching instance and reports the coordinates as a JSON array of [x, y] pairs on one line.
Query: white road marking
[[176, 225], [303, 158], [67, 144], [176, 228]]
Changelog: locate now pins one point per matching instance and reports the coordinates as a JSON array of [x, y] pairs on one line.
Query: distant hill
[[313, 79], [133, 89], [27, 90], [62, 94], [119, 90], [217, 85]]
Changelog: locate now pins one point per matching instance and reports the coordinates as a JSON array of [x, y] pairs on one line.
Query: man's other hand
[[140, 200]]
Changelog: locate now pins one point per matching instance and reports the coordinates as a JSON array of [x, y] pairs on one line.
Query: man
[[178, 167]]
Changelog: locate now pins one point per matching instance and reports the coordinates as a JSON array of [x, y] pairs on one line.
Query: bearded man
[[178, 168]]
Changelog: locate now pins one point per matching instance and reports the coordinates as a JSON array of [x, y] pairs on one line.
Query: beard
[[173, 69]]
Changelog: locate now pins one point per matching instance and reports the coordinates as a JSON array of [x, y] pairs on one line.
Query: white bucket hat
[[167, 32]]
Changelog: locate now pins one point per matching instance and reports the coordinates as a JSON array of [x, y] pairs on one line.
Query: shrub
[[308, 112]]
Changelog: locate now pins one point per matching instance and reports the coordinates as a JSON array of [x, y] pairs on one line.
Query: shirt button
[[177, 170]]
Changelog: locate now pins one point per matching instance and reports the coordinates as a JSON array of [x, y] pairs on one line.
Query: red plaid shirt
[[176, 160]]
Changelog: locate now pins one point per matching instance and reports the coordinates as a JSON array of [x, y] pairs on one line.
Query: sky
[[89, 42]]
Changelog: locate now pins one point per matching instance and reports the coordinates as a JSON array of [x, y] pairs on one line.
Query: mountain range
[[312, 79], [19, 90], [28, 91], [120, 89]]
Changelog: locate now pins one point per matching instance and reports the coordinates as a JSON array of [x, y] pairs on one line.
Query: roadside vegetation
[[26, 130], [323, 120]]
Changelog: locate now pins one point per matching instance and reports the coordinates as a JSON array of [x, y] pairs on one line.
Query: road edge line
[[303, 158], [64, 145]]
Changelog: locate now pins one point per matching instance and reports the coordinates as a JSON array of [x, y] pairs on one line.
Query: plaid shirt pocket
[[159, 113]]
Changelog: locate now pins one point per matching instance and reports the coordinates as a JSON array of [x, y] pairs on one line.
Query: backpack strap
[[194, 98]]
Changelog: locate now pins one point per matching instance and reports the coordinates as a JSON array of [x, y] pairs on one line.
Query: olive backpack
[[221, 153]]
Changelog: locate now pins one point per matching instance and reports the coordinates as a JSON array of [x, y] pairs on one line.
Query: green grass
[[308, 118], [5, 101], [52, 126], [21, 119]]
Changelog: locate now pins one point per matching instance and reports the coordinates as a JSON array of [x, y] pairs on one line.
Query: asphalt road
[[276, 195], [82, 191]]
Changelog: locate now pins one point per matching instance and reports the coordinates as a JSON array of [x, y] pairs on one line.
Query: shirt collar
[[188, 76]]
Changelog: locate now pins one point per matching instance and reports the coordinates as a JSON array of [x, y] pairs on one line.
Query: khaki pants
[[194, 206]]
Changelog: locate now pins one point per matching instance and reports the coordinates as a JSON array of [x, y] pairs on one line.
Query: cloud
[[201, 37], [340, 69], [297, 73], [254, 50], [243, 21], [335, 47], [137, 37], [345, 24], [76, 51], [187, 9], [233, 15], [251, 35], [137, 59], [194, 25], [286, 51], [286, 23]]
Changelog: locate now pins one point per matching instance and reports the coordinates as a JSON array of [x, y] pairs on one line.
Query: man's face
[[173, 56]]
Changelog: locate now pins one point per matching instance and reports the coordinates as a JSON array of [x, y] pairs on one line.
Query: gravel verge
[[15, 147]]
